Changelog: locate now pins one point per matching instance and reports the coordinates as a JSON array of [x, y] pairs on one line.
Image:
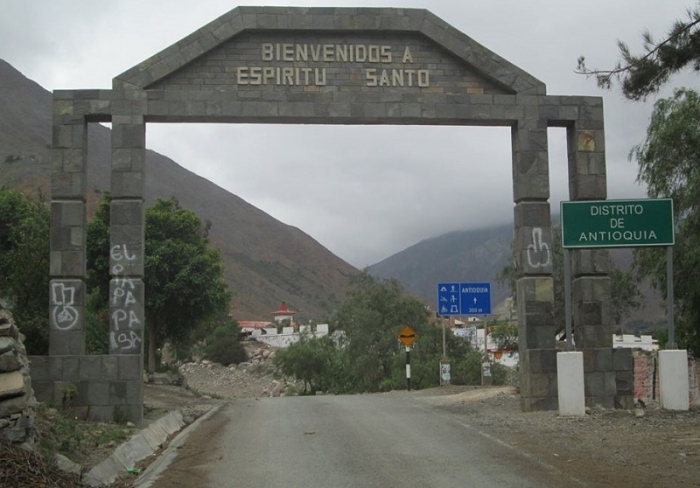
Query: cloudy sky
[[364, 192]]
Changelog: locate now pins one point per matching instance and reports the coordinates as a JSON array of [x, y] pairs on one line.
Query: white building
[[631, 341]]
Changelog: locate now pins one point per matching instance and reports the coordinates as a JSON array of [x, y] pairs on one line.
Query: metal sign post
[[567, 301], [669, 299], [407, 337]]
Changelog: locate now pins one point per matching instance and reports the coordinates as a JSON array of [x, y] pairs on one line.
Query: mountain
[[266, 261], [478, 256], [465, 256]]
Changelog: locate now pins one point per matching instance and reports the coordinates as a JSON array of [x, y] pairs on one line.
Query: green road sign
[[617, 223]]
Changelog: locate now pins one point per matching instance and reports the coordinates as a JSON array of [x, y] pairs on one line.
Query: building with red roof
[[283, 313]]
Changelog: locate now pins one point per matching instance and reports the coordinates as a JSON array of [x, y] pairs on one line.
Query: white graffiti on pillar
[[123, 297], [126, 327], [120, 252], [64, 314], [124, 340], [538, 254]]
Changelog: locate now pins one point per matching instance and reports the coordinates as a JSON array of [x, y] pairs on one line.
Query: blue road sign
[[464, 298]]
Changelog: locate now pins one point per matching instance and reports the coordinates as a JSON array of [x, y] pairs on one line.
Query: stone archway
[[326, 66]]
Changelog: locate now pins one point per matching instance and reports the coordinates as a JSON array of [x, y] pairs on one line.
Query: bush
[[223, 345], [500, 373], [317, 363], [467, 370]]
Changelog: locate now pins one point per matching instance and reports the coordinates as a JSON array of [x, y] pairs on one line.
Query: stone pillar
[[592, 320], [533, 254], [68, 222], [127, 235]]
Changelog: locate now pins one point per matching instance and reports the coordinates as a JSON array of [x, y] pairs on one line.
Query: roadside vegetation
[[667, 158], [187, 298], [363, 354]]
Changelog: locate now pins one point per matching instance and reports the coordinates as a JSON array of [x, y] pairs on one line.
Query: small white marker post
[[408, 368]]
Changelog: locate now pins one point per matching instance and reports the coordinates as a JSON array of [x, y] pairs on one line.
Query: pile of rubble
[[254, 378], [17, 402]]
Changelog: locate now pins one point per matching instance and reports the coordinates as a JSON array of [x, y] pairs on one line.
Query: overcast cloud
[[364, 192]]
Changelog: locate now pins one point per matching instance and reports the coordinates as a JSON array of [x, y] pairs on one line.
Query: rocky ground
[[642, 447]]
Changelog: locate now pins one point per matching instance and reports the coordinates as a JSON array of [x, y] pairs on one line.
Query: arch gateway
[[322, 66]]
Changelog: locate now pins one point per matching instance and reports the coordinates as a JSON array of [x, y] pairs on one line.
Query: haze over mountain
[[466, 256], [266, 261]]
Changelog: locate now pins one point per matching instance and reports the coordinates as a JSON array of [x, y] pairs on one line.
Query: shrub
[[223, 345], [317, 363]]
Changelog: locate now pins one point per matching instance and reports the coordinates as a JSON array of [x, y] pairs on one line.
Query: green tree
[[668, 166], [644, 74], [371, 318], [624, 294], [183, 275], [224, 345], [316, 362], [504, 335], [24, 265]]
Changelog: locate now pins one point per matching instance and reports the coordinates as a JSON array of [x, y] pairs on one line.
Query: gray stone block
[[539, 336], [130, 367], [594, 384], [110, 367], [588, 187], [71, 369], [39, 368], [604, 359], [82, 398], [590, 262], [623, 360], [66, 342], [542, 360], [134, 392], [98, 393], [127, 184], [117, 393], [91, 368], [55, 366], [127, 212], [624, 382]]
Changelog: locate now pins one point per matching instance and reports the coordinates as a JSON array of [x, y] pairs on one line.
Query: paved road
[[386, 440]]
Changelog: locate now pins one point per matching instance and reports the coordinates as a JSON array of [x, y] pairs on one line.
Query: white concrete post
[[572, 399], [674, 386]]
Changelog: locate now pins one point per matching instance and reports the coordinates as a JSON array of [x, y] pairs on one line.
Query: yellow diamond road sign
[[407, 336]]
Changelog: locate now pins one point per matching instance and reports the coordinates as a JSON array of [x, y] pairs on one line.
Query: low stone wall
[[103, 388], [17, 412]]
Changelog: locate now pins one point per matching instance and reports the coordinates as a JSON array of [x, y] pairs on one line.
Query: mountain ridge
[[266, 261]]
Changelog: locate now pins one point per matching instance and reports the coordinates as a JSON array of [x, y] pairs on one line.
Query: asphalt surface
[[384, 440]]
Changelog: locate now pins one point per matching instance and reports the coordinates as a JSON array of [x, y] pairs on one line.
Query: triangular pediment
[[287, 46]]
